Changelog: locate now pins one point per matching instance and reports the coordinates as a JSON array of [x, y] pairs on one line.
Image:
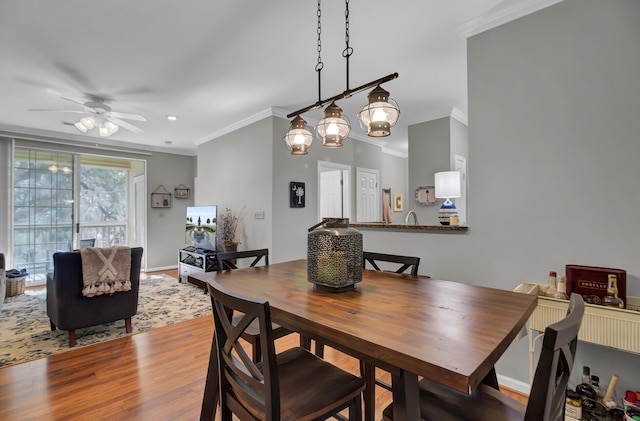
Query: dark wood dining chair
[[547, 398], [293, 385], [406, 262], [229, 261]]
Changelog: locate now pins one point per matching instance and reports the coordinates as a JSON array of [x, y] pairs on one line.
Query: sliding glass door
[[43, 209], [66, 201]]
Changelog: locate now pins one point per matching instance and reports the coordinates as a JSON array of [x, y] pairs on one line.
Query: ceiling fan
[[100, 116]]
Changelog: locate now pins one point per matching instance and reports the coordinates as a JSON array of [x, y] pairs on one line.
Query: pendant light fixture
[[380, 114], [298, 137], [333, 128], [377, 117]]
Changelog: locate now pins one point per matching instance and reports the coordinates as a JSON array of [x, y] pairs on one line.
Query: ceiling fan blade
[[57, 111], [127, 116], [125, 125], [72, 100]]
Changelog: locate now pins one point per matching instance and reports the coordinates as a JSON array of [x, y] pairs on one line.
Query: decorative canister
[[334, 255]]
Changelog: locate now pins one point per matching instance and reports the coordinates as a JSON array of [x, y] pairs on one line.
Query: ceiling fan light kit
[[101, 117], [377, 117]]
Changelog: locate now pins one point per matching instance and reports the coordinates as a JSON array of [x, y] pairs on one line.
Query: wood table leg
[[211, 396], [406, 396], [491, 379]]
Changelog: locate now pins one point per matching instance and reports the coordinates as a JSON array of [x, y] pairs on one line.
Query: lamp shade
[[448, 184]]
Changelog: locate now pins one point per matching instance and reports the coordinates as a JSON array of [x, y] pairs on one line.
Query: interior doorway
[[334, 193]]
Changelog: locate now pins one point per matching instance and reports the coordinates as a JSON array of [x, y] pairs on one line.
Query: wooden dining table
[[412, 326]]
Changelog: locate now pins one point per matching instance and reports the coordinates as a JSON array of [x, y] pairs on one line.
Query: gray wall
[[553, 174], [430, 148], [165, 226], [235, 171]]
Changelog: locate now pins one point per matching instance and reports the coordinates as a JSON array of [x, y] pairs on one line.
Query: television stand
[[193, 261]]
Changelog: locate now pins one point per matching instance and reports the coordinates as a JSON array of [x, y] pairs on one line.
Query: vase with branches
[[227, 230]]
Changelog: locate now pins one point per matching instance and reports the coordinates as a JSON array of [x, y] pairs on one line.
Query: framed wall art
[[296, 194], [182, 192], [161, 198]]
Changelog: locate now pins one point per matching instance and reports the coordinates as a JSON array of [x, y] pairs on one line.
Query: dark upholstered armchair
[[69, 310]]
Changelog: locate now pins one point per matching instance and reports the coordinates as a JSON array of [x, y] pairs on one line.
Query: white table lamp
[[448, 184]]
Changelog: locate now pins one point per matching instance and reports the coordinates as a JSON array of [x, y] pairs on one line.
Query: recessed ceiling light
[[172, 117]]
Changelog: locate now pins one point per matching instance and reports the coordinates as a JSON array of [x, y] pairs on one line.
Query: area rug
[[25, 333]]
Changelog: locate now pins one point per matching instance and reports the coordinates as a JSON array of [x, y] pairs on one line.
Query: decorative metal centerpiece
[[334, 255]]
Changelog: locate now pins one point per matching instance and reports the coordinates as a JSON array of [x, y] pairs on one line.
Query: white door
[[334, 191], [368, 195], [331, 194]]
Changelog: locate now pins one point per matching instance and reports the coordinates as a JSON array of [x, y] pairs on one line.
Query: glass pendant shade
[[333, 128], [380, 114], [85, 124], [298, 137], [108, 128]]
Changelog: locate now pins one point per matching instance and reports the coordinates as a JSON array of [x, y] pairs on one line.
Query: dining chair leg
[[256, 351], [369, 374], [305, 342], [210, 397], [319, 348], [355, 410]]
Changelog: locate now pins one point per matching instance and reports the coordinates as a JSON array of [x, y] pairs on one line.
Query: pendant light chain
[[346, 53], [320, 64]]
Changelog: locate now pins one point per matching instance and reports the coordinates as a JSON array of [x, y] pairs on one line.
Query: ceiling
[[218, 65]]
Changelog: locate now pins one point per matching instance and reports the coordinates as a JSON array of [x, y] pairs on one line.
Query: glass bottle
[[612, 299], [587, 393], [551, 285], [595, 384], [561, 292]]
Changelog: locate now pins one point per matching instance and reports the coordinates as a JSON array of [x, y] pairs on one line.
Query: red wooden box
[[591, 282]]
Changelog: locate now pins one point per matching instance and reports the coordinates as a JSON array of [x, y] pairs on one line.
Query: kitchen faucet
[[415, 218]]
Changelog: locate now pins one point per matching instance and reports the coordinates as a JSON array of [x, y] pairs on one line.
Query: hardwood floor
[[156, 375]]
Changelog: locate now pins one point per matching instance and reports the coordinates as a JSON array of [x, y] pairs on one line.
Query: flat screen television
[[201, 224]]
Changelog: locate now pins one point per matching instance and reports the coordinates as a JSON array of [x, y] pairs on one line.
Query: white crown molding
[[455, 113], [394, 152], [460, 116], [504, 12], [236, 126]]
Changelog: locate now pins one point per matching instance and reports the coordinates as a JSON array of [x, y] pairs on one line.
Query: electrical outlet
[[259, 214]]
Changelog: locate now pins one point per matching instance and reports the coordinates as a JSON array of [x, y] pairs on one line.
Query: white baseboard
[[514, 384], [161, 268]]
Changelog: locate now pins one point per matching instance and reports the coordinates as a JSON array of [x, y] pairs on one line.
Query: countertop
[[384, 225]]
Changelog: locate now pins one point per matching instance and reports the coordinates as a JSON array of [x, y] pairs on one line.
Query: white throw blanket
[[105, 270]]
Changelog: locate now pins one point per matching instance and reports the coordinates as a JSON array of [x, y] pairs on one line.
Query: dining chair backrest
[[227, 260], [248, 390], [406, 262], [547, 397]]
